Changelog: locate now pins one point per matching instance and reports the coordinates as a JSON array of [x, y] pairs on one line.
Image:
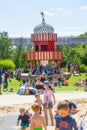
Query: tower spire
[[42, 15]]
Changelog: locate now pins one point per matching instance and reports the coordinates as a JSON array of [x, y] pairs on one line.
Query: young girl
[[48, 104], [37, 121]]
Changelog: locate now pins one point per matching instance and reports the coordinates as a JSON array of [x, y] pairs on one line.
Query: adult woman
[[48, 103], [39, 85]]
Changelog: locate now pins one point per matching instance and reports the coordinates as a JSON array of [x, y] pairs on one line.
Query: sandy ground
[[10, 103]]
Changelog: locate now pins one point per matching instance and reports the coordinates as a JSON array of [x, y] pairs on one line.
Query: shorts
[[24, 124], [38, 129], [50, 105]]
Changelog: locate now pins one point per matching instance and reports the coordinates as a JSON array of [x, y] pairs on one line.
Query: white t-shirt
[[83, 124]]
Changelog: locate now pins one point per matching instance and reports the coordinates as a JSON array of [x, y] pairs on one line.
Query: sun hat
[[46, 83]]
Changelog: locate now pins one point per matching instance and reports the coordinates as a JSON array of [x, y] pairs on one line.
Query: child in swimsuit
[[37, 121]]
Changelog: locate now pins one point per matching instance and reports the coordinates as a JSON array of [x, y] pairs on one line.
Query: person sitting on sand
[[37, 121], [24, 118], [72, 107]]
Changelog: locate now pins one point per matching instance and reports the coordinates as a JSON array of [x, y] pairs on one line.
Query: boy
[[72, 107], [64, 121], [38, 100], [24, 118], [37, 121]]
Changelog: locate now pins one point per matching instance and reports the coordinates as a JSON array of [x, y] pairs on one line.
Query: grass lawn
[[72, 80], [13, 84]]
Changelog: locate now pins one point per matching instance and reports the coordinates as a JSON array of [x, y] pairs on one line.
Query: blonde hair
[[35, 107]]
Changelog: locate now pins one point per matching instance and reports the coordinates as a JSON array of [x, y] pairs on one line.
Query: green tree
[[83, 35], [16, 55], [23, 60], [19, 55], [5, 45]]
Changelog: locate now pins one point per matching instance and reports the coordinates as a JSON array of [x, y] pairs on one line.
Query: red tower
[[44, 40]]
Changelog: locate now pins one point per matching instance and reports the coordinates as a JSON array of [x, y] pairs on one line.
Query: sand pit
[[9, 108], [81, 104]]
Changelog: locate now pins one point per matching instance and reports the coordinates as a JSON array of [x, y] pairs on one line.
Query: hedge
[[7, 64]]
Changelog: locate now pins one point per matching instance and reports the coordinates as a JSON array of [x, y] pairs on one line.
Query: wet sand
[[9, 112]]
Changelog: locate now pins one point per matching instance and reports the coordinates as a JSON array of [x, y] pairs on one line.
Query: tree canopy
[[5, 46], [76, 53]]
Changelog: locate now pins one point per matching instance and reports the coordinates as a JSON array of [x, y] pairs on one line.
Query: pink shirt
[[48, 93]]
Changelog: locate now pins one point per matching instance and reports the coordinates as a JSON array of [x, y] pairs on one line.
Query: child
[[56, 114], [72, 107], [83, 123], [38, 100], [28, 113], [64, 121], [37, 121], [49, 101], [24, 118], [65, 82]]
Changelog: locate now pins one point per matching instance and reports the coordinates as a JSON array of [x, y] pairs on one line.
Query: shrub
[[7, 64], [83, 68]]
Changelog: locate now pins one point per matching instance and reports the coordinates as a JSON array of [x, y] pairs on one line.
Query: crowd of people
[[63, 119], [48, 69], [45, 73], [38, 119], [73, 68], [32, 86]]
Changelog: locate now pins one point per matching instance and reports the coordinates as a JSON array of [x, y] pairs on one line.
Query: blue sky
[[19, 17]]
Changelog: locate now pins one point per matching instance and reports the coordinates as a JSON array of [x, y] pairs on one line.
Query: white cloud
[[83, 7], [57, 9], [62, 10], [48, 13]]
